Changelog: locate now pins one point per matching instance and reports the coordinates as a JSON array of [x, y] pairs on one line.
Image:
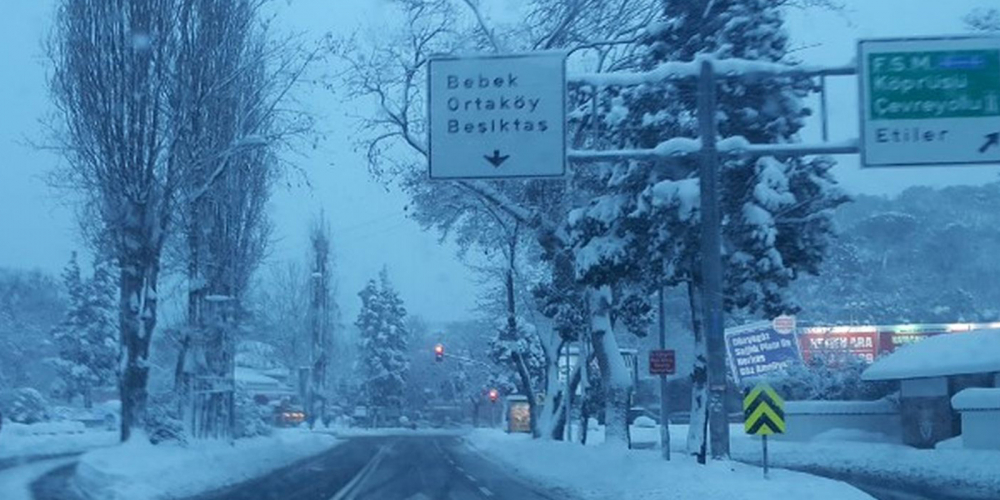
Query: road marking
[[459, 467], [486, 491], [470, 478], [349, 491]]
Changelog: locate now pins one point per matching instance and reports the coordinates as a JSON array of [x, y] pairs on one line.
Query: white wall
[[807, 419], [980, 429]]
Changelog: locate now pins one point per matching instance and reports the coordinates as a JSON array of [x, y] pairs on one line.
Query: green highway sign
[[763, 411], [930, 101]]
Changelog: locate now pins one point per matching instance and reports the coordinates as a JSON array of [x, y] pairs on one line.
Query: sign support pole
[[664, 409], [764, 440], [711, 264], [568, 403]]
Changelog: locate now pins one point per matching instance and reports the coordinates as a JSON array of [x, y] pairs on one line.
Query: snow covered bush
[[163, 420], [25, 406], [835, 378], [251, 417]]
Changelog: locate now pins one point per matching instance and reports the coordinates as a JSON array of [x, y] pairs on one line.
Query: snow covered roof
[[251, 376], [977, 398], [939, 356]]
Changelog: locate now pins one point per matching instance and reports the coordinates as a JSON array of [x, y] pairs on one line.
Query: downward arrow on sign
[[496, 160]]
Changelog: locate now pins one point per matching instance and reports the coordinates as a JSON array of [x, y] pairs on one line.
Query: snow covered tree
[[775, 212], [984, 19], [382, 344], [25, 405], [87, 337], [198, 118], [833, 378], [119, 160]]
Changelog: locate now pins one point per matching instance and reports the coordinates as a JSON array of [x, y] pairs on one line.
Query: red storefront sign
[[834, 342]]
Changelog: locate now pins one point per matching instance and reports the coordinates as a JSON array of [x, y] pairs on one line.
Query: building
[[931, 372]]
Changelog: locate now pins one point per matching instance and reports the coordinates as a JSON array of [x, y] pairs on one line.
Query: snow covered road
[[419, 466]]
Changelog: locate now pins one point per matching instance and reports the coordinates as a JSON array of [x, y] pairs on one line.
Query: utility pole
[[568, 399], [664, 409], [711, 264]]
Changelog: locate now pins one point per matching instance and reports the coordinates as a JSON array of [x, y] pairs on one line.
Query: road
[[404, 468], [416, 467]]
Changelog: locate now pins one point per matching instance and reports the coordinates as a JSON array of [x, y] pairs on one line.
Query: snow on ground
[[949, 470], [15, 483], [19, 442], [871, 457], [601, 472], [138, 470]]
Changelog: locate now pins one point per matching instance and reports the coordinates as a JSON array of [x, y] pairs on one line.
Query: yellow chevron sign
[[763, 411]]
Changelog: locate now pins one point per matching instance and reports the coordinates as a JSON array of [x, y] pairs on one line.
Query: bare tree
[[321, 315], [221, 124], [172, 119], [112, 66]]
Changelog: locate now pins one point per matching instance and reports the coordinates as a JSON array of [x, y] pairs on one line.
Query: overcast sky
[[369, 226]]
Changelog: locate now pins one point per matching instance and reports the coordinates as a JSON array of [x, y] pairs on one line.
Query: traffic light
[[494, 395], [439, 352]]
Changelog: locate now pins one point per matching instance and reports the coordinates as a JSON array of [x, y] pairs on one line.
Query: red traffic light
[[439, 352], [494, 395]]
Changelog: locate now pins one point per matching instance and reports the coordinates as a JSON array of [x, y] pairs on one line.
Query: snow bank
[[941, 355], [138, 470], [44, 428], [977, 399], [606, 472], [15, 484], [957, 473], [20, 442]]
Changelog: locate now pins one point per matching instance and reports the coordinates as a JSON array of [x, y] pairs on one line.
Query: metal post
[[823, 107], [664, 409], [764, 440], [568, 400], [711, 264]]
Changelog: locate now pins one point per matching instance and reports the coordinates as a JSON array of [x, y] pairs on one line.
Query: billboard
[[871, 341], [834, 342], [757, 349]]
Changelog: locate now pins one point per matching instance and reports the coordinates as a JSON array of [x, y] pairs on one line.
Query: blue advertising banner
[[757, 349]]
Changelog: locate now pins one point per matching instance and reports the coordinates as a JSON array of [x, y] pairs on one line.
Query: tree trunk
[[139, 269], [614, 374], [697, 430], [558, 427]]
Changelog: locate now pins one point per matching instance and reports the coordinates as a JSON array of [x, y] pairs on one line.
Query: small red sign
[[662, 362]]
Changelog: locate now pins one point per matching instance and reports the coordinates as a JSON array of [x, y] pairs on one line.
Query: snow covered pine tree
[[776, 213], [383, 341], [87, 338]]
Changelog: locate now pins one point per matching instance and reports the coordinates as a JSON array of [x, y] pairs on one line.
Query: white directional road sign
[[930, 101], [497, 116]]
